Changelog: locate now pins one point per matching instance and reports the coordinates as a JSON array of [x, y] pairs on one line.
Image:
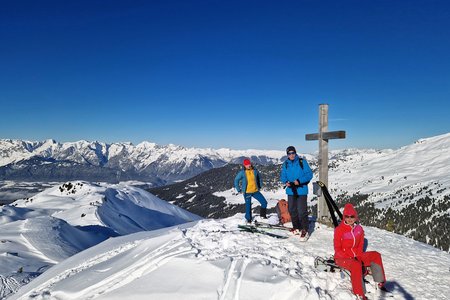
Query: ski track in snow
[[45, 288], [233, 279], [146, 263], [8, 285]]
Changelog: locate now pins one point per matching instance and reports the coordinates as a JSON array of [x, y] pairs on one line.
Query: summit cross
[[323, 215]]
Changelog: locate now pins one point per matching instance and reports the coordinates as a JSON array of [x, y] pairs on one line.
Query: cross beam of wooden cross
[[326, 135], [323, 215]]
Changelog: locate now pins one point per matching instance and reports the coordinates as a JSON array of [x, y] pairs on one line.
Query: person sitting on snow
[[349, 254], [251, 184]]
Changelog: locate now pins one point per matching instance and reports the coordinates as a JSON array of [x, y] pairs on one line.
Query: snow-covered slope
[[371, 172], [95, 161], [39, 232], [211, 259]]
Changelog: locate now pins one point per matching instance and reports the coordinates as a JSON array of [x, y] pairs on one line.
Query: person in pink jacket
[[349, 254]]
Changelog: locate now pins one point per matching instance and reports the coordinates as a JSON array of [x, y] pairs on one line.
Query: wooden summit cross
[[323, 215]]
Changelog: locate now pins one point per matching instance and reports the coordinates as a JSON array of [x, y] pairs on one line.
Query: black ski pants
[[298, 209]]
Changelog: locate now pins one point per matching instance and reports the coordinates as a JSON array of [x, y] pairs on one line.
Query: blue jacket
[[291, 171], [241, 177]]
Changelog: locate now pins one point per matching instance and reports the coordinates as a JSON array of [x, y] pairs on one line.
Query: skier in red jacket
[[349, 254]]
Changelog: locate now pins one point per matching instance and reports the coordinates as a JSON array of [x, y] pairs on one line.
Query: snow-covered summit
[[212, 259]]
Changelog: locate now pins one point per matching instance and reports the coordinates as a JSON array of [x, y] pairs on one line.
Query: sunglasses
[[290, 153], [349, 217]]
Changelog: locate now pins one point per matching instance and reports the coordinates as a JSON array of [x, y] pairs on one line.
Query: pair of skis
[[270, 226], [329, 265], [262, 228], [254, 229]]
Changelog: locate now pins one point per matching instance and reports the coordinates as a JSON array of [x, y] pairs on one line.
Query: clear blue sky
[[237, 74]]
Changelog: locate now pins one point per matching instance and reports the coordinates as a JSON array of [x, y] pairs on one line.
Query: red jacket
[[348, 240]]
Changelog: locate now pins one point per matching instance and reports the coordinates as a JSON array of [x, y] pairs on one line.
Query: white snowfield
[[212, 259]]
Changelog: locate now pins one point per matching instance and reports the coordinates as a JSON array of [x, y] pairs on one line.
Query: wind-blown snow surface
[[39, 232], [211, 259]]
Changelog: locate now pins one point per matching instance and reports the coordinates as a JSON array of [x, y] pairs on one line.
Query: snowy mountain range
[[94, 161], [98, 241]]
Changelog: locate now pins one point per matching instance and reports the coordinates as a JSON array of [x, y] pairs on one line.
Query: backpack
[[283, 211], [300, 162]]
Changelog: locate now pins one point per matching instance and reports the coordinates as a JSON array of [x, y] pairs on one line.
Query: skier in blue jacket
[[295, 175], [251, 184]]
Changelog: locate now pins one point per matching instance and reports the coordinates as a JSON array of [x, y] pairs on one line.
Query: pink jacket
[[348, 240]]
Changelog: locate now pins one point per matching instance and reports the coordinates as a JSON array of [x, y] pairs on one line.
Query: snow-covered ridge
[[39, 232], [371, 172], [122, 208]]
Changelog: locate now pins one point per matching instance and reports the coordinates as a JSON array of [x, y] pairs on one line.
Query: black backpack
[[300, 162]]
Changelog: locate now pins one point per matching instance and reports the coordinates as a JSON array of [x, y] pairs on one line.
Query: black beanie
[[290, 148]]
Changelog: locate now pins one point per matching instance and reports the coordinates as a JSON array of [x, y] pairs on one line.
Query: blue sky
[[236, 74]]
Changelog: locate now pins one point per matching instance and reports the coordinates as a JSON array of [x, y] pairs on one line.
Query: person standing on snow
[[251, 184], [348, 252], [295, 175]]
